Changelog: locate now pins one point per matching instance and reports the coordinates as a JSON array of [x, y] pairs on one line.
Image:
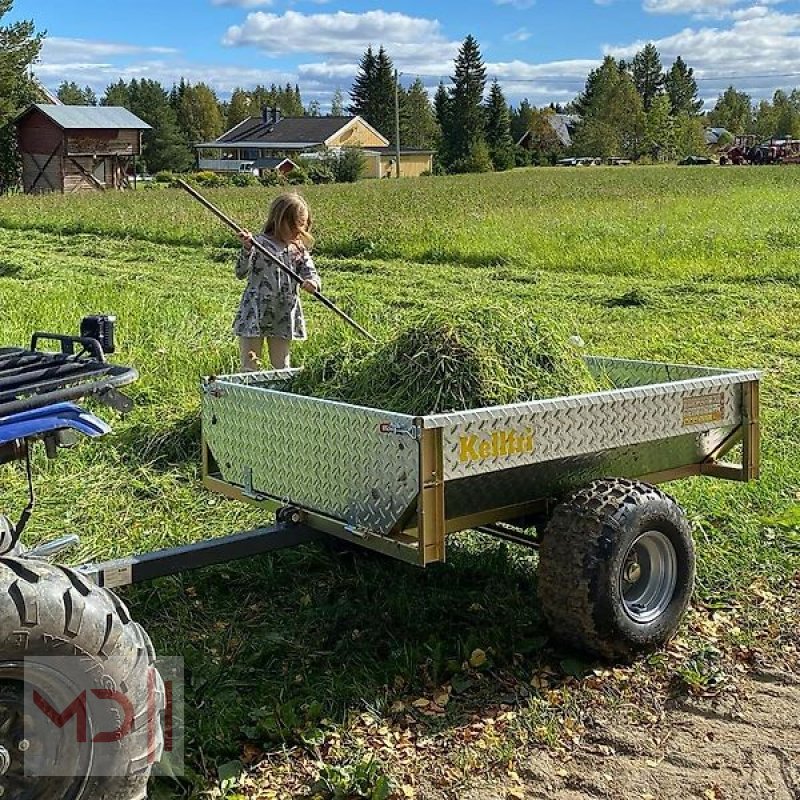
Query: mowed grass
[[686, 265]]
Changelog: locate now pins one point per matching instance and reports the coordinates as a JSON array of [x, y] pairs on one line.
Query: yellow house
[[271, 136]]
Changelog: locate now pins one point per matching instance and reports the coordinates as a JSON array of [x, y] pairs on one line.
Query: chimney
[[276, 116], [265, 115]]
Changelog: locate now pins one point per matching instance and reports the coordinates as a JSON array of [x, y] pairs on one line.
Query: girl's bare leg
[[279, 352], [250, 348]]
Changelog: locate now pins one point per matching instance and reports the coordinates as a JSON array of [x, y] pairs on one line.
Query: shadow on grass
[[276, 644]]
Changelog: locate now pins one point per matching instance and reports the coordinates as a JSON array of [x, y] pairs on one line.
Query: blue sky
[[541, 49]]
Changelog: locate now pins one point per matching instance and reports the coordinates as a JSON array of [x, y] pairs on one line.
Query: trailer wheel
[[616, 568], [48, 611]]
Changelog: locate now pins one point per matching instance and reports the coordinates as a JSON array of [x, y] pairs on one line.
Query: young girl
[[270, 307]]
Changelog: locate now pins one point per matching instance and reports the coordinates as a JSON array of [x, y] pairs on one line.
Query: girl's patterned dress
[[270, 304]]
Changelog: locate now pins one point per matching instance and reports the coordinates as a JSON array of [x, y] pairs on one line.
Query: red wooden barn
[[74, 148]]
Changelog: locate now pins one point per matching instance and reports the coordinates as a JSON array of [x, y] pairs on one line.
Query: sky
[[539, 49]]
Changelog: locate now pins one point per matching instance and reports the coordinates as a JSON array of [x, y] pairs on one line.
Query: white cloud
[[700, 9], [340, 34], [520, 5], [519, 35], [755, 41], [56, 48]]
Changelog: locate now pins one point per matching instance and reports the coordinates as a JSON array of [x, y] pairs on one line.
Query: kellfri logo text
[[498, 444]]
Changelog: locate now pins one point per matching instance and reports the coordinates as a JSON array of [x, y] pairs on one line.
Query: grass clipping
[[485, 358]]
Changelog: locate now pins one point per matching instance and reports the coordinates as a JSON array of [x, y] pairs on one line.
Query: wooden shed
[[76, 148]]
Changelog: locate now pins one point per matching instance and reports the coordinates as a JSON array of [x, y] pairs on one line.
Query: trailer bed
[[400, 483]]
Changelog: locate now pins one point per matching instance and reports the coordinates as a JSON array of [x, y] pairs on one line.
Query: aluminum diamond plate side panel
[[625, 373], [555, 479], [505, 437], [323, 456]]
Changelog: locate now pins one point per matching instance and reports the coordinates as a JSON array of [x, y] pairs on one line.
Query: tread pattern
[[51, 610], [578, 541]]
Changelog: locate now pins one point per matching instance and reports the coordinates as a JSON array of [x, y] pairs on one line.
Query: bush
[[272, 178], [522, 157], [478, 159], [350, 165], [209, 180], [297, 176], [244, 179], [321, 171], [164, 177]]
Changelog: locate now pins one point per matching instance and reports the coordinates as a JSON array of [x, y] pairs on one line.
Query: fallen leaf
[[421, 703], [477, 659]]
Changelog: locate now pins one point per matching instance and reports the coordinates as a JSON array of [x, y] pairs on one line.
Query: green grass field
[[286, 653]]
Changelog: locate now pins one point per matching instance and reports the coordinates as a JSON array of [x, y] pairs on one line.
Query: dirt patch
[[746, 745]]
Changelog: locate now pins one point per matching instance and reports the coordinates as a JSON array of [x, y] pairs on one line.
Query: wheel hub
[[649, 577], [5, 760]]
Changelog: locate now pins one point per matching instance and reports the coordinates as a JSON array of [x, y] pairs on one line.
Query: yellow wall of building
[[412, 165]]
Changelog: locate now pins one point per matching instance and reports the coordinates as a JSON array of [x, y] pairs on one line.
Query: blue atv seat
[[48, 419]]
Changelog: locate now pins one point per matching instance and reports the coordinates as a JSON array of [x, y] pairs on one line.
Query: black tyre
[[616, 568], [48, 611]]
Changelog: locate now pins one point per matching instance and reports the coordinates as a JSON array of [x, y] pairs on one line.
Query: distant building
[[563, 126], [716, 137], [245, 147], [78, 148]]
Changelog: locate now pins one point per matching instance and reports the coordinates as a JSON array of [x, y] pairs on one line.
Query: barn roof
[[90, 117]]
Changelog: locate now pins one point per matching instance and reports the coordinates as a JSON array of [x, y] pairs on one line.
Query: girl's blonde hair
[[283, 221]]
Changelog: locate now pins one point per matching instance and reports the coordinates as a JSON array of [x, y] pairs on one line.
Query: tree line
[[635, 109]]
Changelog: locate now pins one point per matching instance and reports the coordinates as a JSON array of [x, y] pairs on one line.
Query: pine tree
[[361, 91], [164, 147], [70, 94], [337, 103], [239, 108], [521, 119], [467, 118], [442, 111], [383, 100], [648, 74], [20, 48], [498, 129], [418, 128], [681, 87], [117, 94]]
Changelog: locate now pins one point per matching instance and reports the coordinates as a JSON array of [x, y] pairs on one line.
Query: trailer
[[574, 477]]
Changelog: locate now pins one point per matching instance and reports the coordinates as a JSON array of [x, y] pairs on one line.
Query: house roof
[[713, 135], [288, 133], [89, 117], [272, 163], [313, 130], [562, 124]]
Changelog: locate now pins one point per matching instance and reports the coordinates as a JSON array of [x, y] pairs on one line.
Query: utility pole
[[397, 123]]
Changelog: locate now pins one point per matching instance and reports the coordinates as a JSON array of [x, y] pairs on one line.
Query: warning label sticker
[[703, 409]]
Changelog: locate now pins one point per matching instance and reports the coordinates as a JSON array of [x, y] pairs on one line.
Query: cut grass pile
[[479, 358]]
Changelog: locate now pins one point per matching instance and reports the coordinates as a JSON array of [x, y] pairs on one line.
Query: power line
[[562, 79]]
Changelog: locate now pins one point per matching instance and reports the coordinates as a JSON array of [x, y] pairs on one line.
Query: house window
[[249, 155]]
